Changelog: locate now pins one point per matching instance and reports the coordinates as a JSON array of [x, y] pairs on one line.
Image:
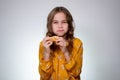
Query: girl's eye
[[55, 22], [65, 22]]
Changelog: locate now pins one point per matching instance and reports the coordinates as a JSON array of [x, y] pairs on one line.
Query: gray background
[[23, 26]]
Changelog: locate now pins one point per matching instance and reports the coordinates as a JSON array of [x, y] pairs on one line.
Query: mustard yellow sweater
[[58, 68]]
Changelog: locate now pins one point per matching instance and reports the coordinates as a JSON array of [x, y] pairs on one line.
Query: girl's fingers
[[61, 42], [47, 42], [46, 39], [58, 42]]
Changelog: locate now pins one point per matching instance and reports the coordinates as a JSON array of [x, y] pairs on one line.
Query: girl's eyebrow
[[55, 20], [58, 20]]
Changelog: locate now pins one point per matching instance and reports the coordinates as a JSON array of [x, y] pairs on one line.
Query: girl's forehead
[[59, 15]]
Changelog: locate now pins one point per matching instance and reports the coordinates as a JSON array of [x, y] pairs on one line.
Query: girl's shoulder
[[77, 41], [40, 44]]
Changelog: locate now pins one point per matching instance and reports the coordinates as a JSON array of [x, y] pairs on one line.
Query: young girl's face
[[59, 24]]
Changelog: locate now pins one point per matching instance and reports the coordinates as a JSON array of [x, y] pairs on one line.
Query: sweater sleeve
[[45, 67], [75, 64]]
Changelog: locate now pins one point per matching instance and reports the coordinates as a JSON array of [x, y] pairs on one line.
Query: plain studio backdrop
[[23, 26]]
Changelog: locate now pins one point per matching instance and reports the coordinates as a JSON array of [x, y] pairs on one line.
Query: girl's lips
[[60, 30]]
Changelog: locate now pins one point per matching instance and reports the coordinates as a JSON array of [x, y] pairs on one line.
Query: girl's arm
[[75, 63], [45, 64]]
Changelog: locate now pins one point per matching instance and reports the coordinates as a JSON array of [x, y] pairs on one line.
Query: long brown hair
[[70, 34]]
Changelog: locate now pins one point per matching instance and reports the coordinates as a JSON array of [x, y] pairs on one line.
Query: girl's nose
[[60, 25]]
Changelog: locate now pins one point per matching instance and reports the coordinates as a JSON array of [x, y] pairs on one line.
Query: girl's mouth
[[60, 30]]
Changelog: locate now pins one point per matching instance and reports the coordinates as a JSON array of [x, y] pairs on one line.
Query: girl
[[60, 53]]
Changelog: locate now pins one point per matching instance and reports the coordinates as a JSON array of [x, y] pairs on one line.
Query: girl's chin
[[60, 35]]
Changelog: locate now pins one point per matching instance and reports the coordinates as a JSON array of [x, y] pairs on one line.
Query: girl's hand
[[46, 44], [62, 43], [63, 46]]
